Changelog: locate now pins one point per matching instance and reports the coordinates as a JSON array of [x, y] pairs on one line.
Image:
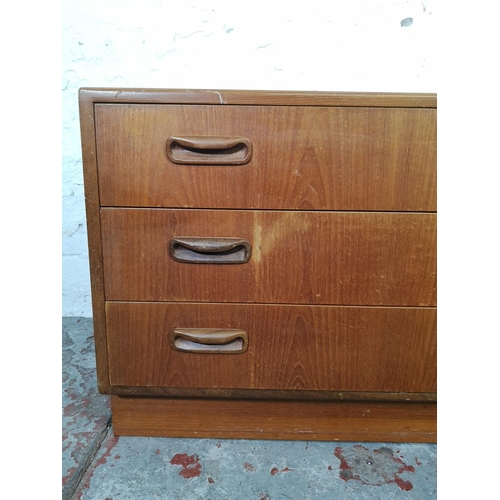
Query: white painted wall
[[356, 45]]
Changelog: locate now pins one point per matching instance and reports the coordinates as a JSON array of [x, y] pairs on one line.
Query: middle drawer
[[345, 258]]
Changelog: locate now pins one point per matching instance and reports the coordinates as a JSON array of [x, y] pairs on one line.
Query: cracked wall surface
[[363, 45]]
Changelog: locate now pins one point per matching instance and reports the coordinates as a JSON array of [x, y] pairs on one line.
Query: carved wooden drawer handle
[[197, 250], [209, 340], [209, 150]]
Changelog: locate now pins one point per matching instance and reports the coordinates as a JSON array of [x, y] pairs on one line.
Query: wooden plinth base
[[290, 420]]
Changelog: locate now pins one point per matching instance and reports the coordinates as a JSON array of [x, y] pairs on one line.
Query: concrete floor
[[96, 465]]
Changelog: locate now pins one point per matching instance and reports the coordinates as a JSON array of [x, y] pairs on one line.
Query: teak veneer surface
[[335, 194], [246, 419], [297, 257], [289, 347], [306, 158]]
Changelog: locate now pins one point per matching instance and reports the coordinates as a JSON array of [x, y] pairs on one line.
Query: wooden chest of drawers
[[263, 264]]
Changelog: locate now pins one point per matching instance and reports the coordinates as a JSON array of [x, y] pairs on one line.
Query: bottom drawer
[[290, 347]]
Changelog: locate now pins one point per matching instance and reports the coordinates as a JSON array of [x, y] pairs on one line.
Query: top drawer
[[302, 158]]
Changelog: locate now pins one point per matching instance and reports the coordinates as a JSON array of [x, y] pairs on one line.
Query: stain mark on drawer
[[257, 242], [268, 235]]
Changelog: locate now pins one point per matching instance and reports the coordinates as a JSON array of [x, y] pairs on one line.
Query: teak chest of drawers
[[263, 264]]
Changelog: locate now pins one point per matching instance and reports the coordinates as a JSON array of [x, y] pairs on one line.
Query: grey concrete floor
[[96, 465]]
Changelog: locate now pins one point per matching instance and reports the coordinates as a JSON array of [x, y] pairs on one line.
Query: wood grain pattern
[[298, 420], [92, 205], [289, 347], [312, 153], [297, 257], [303, 158]]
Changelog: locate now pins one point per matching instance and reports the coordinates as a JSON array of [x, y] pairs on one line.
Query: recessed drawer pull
[[209, 340], [210, 250], [209, 150]]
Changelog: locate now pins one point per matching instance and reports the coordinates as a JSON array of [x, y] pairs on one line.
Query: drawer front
[[289, 347], [296, 257], [307, 158]]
